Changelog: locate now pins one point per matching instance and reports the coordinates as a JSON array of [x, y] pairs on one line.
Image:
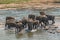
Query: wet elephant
[[31, 16], [19, 27], [24, 22], [51, 18], [41, 20], [10, 22]]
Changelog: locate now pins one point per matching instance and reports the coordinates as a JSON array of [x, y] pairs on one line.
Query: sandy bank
[[32, 5]]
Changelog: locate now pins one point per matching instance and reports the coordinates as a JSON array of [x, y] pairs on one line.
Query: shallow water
[[18, 14]]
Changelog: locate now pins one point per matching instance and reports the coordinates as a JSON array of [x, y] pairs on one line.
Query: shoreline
[[41, 6]]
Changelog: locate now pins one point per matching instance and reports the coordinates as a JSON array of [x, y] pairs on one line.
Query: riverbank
[[31, 5]]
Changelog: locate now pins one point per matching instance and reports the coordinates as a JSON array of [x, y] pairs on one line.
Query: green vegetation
[[57, 1], [12, 1]]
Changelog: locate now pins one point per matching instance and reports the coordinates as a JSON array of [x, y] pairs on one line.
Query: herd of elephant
[[31, 22]]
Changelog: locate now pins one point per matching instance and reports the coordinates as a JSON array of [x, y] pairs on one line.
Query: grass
[[19, 1], [12, 1]]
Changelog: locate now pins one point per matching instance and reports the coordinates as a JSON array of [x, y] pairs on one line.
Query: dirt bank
[[29, 5]]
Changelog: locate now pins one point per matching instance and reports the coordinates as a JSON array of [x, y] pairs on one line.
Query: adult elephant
[[10, 22], [51, 18]]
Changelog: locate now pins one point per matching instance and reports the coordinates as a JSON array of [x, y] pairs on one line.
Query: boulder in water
[[58, 31], [46, 28]]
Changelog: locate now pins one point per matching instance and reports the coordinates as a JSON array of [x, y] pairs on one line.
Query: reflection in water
[[19, 36], [30, 34], [9, 32]]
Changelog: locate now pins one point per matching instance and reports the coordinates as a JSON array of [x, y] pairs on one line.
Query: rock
[[55, 26], [58, 31], [46, 28], [51, 31]]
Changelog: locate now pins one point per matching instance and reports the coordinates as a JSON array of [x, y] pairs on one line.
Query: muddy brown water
[[38, 35]]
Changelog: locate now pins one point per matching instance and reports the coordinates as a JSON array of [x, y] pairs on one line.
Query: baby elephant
[[19, 27]]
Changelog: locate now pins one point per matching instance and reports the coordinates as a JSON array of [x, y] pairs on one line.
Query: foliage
[[12, 1]]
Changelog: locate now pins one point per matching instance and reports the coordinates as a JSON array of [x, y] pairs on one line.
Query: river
[[19, 14]]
